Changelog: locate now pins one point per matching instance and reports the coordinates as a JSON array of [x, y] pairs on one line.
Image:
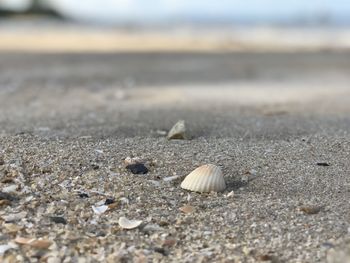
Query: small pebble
[[58, 220], [137, 168], [161, 250], [109, 201], [95, 166], [7, 196], [322, 164], [311, 210], [83, 195], [266, 257]]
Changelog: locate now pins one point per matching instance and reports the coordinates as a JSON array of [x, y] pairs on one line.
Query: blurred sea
[[243, 12]]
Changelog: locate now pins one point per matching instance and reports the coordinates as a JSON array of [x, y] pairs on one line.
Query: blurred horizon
[[143, 12]]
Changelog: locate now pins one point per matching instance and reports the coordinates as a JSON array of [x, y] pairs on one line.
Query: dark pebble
[[95, 166], [83, 195], [161, 250], [137, 168], [327, 245], [58, 220], [7, 180], [322, 164], [6, 196], [109, 201]]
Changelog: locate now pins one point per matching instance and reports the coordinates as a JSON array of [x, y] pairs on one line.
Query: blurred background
[[89, 59], [298, 12], [108, 25]]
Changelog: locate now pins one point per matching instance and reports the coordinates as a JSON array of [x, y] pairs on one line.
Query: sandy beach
[[276, 123]]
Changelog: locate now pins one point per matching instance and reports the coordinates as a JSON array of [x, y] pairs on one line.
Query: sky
[[143, 10]]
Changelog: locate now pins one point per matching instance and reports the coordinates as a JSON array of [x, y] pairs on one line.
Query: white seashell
[[128, 224], [206, 178]]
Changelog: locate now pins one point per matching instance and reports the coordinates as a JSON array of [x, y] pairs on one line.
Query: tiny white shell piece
[[132, 160], [4, 248], [128, 224], [10, 189], [206, 178], [99, 210]]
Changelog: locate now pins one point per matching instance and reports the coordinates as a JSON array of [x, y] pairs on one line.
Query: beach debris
[[33, 242], [187, 209], [124, 200], [267, 257], [95, 166], [230, 194], [206, 178], [128, 224], [113, 205], [4, 248], [99, 210], [178, 131], [161, 250], [322, 164], [247, 251], [7, 180], [14, 217], [109, 201], [7, 196], [137, 168], [132, 160], [58, 220], [10, 189], [83, 195], [171, 178], [311, 210], [163, 223]]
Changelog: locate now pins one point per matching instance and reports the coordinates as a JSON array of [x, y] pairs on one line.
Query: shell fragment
[[128, 224], [178, 131], [99, 210]]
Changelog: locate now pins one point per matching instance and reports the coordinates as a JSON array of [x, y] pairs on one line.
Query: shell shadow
[[234, 185]]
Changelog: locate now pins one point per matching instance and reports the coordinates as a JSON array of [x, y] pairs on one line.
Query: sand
[[46, 36], [269, 121]]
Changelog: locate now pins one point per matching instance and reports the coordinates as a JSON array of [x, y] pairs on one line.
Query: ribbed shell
[[206, 178]]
